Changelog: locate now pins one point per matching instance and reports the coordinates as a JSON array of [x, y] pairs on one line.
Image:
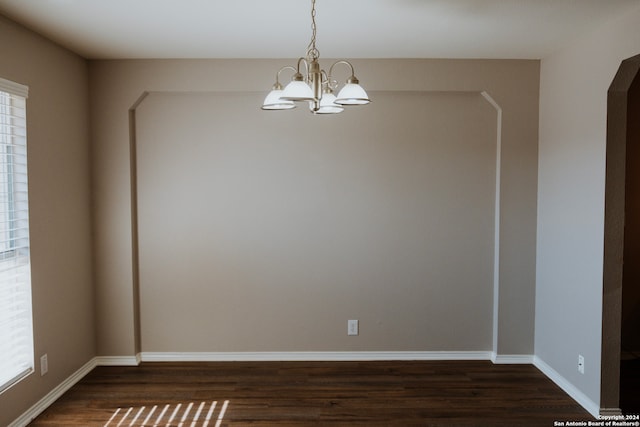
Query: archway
[[622, 226]]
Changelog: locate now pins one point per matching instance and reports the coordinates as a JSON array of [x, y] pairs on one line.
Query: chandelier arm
[[324, 78], [327, 82], [306, 65], [286, 67], [343, 61]]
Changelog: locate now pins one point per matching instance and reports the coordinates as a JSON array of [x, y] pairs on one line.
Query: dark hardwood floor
[[432, 393]]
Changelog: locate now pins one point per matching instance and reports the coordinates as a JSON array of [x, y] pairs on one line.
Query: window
[[16, 331]]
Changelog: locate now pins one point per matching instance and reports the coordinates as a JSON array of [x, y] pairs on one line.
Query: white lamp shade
[[352, 94], [297, 91], [328, 106], [273, 101]]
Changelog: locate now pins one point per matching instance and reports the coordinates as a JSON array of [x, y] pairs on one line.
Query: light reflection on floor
[[200, 416]]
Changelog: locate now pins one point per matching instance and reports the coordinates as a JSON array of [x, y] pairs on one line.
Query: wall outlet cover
[[44, 365], [352, 327], [581, 364]]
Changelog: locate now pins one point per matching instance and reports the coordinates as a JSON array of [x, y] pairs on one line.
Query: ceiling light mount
[[315, 86]]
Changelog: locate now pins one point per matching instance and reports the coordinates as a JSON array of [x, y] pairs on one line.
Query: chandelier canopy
[[316, 86]]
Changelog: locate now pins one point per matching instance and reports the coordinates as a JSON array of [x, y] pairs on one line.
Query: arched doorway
[[621, 280]]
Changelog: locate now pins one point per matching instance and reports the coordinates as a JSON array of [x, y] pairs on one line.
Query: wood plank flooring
[[416, 393]]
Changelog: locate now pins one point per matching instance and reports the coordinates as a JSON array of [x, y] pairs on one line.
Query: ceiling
[[106, 29]]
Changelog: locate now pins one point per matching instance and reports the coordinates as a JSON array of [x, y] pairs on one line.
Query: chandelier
[[316, 87]]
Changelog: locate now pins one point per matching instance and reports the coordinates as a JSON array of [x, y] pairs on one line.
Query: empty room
[[301, 212]]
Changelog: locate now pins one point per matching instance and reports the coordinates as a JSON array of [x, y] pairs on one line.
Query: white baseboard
[[313, 356], [53, 395], [512, 359], [584, 401], [118, 360]]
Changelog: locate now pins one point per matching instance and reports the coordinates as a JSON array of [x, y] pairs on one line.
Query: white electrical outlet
[[44, 365], [352, 327], [581, 364]]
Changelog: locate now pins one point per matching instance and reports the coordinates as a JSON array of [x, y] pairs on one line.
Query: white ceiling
[[282, 28]]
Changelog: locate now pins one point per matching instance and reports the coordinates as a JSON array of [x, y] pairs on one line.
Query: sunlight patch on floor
[[185, 415]]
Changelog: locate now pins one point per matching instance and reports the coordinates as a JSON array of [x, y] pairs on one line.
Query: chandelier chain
[[312, 51]]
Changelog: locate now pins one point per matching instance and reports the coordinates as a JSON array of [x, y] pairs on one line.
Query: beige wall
[[61, 181], [573, 117], [570, 194], [269, 236], [118, 85], [60, 209]]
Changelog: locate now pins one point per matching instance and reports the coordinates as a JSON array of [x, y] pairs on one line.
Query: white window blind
[[16, 331]]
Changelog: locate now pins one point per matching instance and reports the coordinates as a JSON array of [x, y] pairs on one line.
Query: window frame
[[15, 265]]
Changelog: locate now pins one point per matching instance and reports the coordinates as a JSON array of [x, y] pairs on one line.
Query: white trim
[[496, 219], [512, 359], [313, 356], [14, 88], [53, 395], [118, 360], [588, 404]]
